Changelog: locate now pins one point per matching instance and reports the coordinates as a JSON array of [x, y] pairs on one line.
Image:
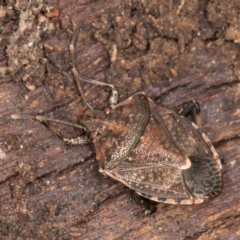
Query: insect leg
[[192, 108], [146, 204], [113, 95]]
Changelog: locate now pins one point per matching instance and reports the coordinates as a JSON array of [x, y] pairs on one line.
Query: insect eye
[[93, 135]]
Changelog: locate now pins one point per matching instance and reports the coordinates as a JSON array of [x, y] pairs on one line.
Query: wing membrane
[[151, 181]]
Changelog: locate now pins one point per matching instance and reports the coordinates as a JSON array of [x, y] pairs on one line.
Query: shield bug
[[158, 153]]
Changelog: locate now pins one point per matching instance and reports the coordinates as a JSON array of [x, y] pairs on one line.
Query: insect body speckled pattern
[[154, 151]]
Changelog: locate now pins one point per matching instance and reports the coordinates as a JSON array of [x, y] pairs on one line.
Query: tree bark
[[174, 51]]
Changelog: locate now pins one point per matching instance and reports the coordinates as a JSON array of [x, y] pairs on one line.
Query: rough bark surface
[[175, 51]]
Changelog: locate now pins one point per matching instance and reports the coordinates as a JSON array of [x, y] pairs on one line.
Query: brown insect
[[158, 153]]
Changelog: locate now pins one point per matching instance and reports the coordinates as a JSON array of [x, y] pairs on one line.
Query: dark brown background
[[173, 50]]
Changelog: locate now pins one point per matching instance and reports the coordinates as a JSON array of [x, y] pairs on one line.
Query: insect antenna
[[78, 78], [41, 119]]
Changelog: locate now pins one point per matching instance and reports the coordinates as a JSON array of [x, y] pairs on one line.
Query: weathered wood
[[175, 51]]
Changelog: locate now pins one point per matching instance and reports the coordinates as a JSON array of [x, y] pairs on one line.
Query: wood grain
[[53, 191]]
